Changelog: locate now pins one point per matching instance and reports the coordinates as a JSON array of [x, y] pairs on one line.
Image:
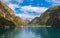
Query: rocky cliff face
[[50, 17], [8, 14]]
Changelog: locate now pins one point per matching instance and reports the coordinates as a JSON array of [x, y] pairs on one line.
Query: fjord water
[[31, 33]]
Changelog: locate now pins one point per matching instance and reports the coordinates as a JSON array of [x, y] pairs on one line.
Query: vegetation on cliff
[[6, 24]]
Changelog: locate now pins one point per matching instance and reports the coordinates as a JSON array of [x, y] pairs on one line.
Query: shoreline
[[32, 26]]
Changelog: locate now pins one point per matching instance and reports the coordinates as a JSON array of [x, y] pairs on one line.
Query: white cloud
[[7, 1], [54, 2], [26, 16], [28, 9], [20, 1], [34, 9], [10, 1], [13, 6]]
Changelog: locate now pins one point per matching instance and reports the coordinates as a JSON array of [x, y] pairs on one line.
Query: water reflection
[[30, 33], [27, 33]]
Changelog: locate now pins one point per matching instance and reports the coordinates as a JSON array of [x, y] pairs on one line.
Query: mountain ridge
[[8, 15], [50, 17]]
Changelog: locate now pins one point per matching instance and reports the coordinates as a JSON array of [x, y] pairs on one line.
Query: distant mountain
[[50, 17], [8, 18]]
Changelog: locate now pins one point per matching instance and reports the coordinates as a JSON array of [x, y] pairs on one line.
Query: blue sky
[[29, 9]]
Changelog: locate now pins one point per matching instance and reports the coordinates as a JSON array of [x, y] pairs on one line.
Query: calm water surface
[[31, 33]]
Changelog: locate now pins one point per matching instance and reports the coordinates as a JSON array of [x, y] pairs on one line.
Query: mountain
[[6, 24], [8, 18], [51, 17]]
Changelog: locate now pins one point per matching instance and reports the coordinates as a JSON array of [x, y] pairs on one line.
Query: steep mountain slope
[[50, 17], [6, 24], [5, 11], [8, 15]]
